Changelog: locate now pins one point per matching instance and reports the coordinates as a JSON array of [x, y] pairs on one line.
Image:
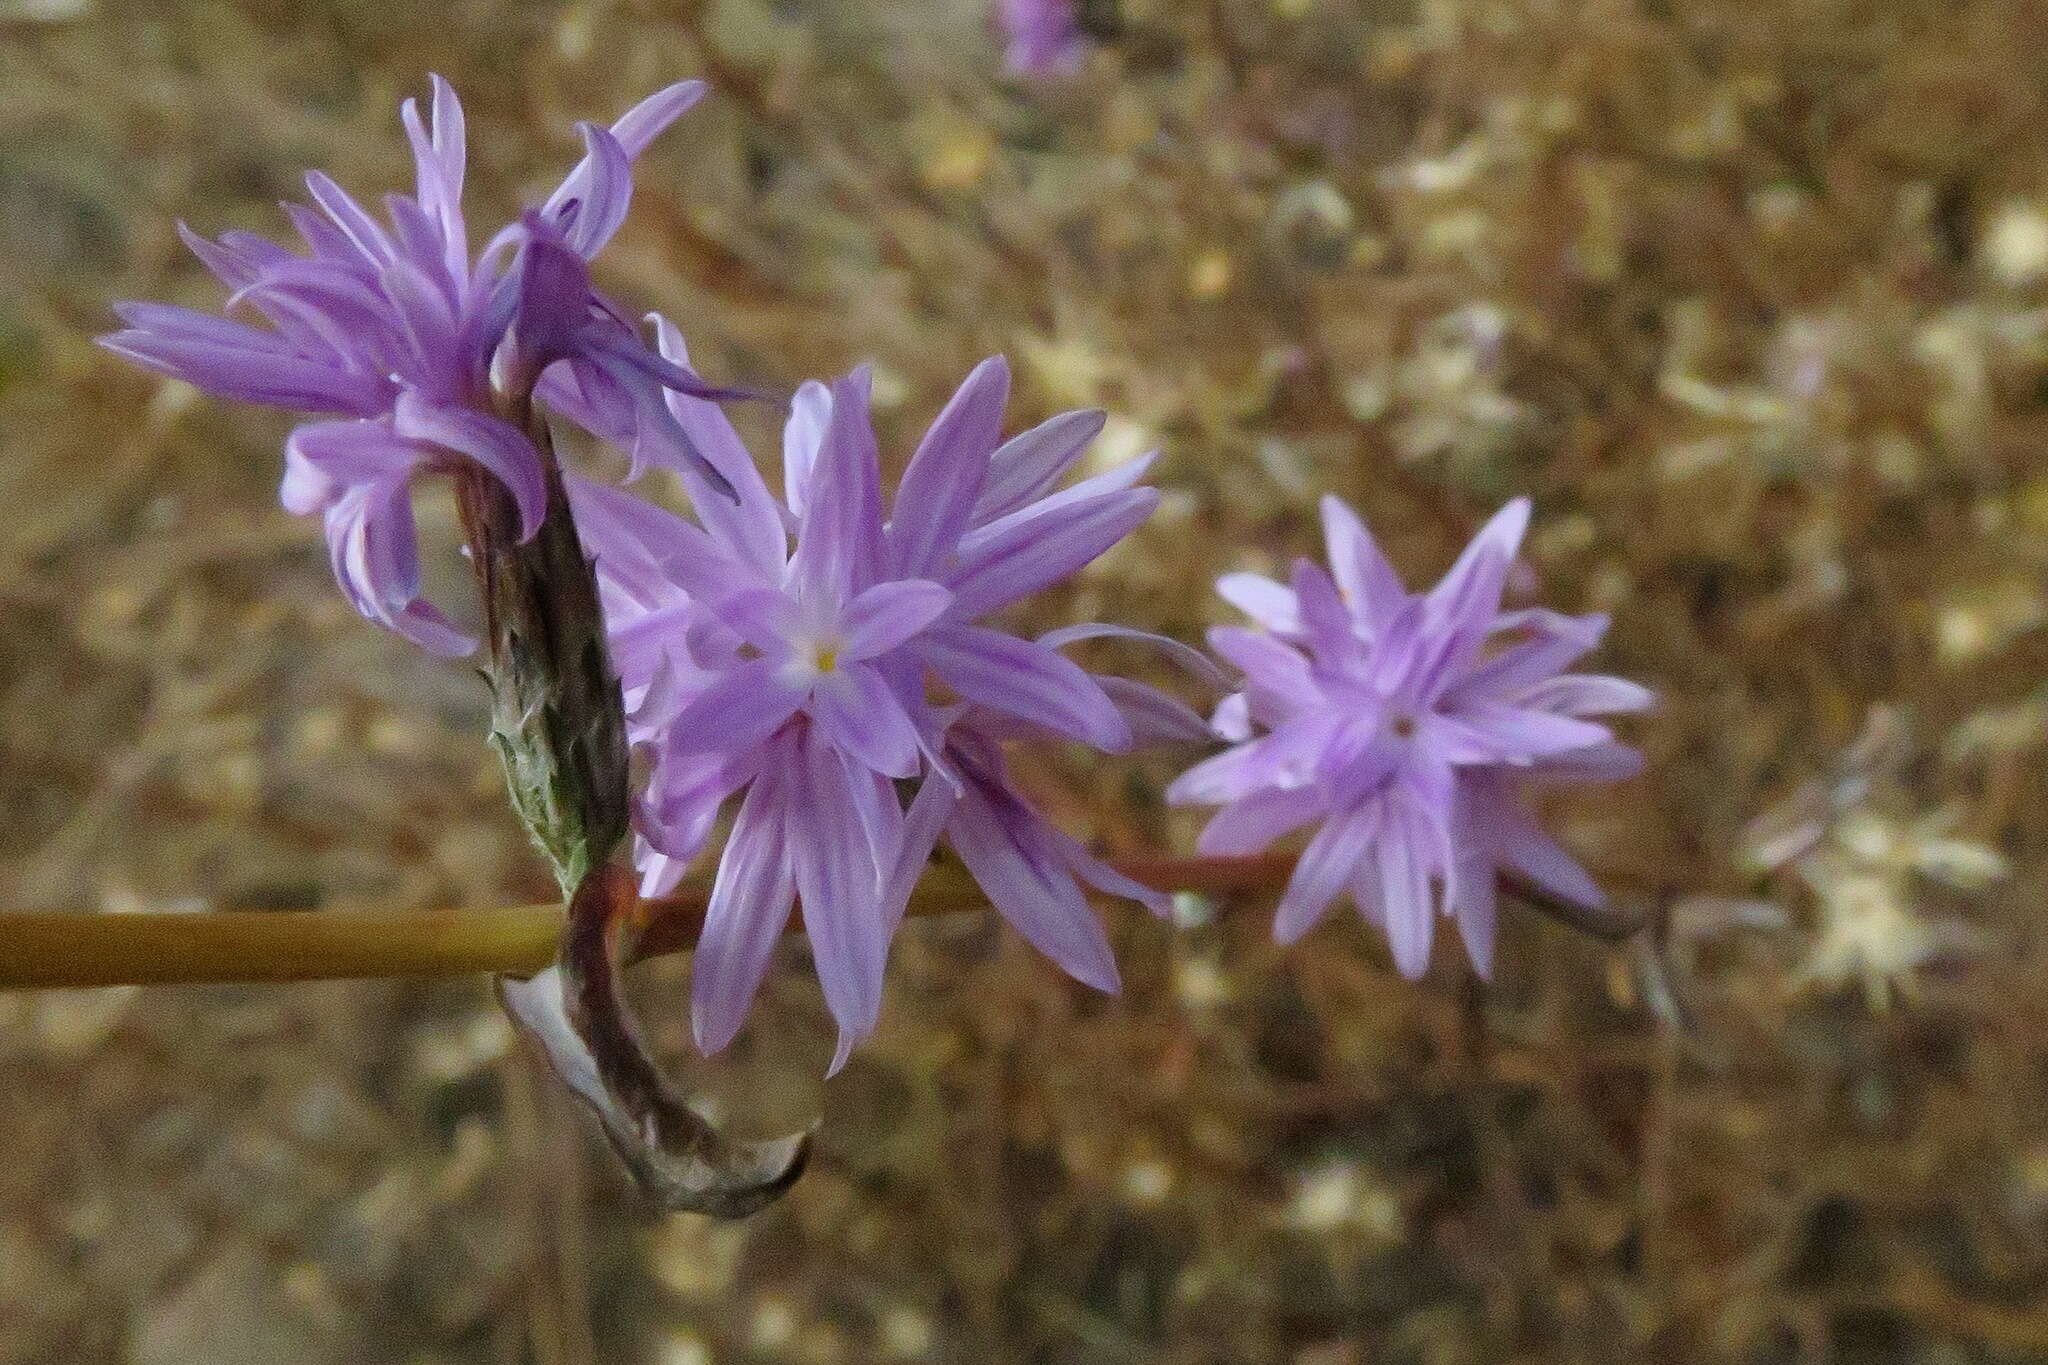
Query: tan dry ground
[[1753, 298]]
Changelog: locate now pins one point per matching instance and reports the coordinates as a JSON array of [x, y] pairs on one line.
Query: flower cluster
[[785, 651], [1403, 724], [825, 663], [420, 357]]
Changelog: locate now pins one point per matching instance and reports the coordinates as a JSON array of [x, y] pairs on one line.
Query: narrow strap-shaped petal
[[370, 241], [1586, 694], [749, 524], [936, 499], [1493, 733], [1322, 870], [1251, 823], [1025, 467], [1028, 681], [1600, 763], [1001, 841], [1270, 604], [1279, 681], [1371, 588], [1327, 626], [736, 709], [765, 618], [606, 195], [374, 551], [492, 442], [1475, 906], [1191, 660], [841, 897], [1517, 841], [324, 459], [810, 412], [889, 614], [923, 823], [1153, 715], [553, 302], [749, 909], [1458, 613], [1105, 878], [252, 374], [862, 717], [633, 132], [1026, 556], [1553, 641], [684, 795], [837, 552], [1402, 850]]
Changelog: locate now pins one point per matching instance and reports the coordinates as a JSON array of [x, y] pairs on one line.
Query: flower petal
[[748, 911], [749, 526], [841, 896], [1323, 869], [1025, 467], [888, 614], [736, 709], [1270, 604], [1251, 823], [836, 555], [937, 496], [810, 412], [861, 716], [1365, 577], [1020, 555], [492, 442], [1028, 681]]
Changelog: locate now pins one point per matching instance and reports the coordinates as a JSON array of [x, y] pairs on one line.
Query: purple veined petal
[[1459, 611], [749, 908], [324, 459], [1154, 716], [324, 239], [810, 412], [633, 132], [631, 533], [492, 442], [641, 646], [736, 709], [374, 552], [1322, 870], [1232, 719], [173, 323], [1053, 509], [1326, 623], [1251, 823], [841, 896], [836, 556], [1270, 604], [1028, 681], [592, 399], [371, 245], [889, 614], [1287, 757], [1025, 467], [1401, 851], [1279, 681], [636, 398], [1026, 556], [1001, 841], [1370, 587], [749, 527], [606, 193], [1553, 642], [252, 376], [923, 823], [1476, 904], [766, 618], [659, 874], [1105, 878], [1192, 661], [426, 322], [553, 303], [1600, 763], [1502, 826], [880, 812], [231, 267], [1493, 733], [1586, 694], [936, 499], [860, 715], [684, 796]]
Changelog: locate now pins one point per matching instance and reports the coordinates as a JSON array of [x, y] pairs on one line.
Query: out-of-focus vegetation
[[1753, 298]]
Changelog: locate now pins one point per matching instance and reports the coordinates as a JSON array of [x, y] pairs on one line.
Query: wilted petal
[[492, 442]]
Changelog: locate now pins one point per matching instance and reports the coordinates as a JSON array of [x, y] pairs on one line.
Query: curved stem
[[80, 949]]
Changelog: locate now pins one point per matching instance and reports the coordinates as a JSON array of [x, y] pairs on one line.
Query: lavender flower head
[[783, 652], [1043, 36], [423, 358], [1403, 725]]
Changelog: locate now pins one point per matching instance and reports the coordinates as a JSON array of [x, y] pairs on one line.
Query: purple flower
[[1403, 724], [783, 650], [421, 357], [1044, 36]]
